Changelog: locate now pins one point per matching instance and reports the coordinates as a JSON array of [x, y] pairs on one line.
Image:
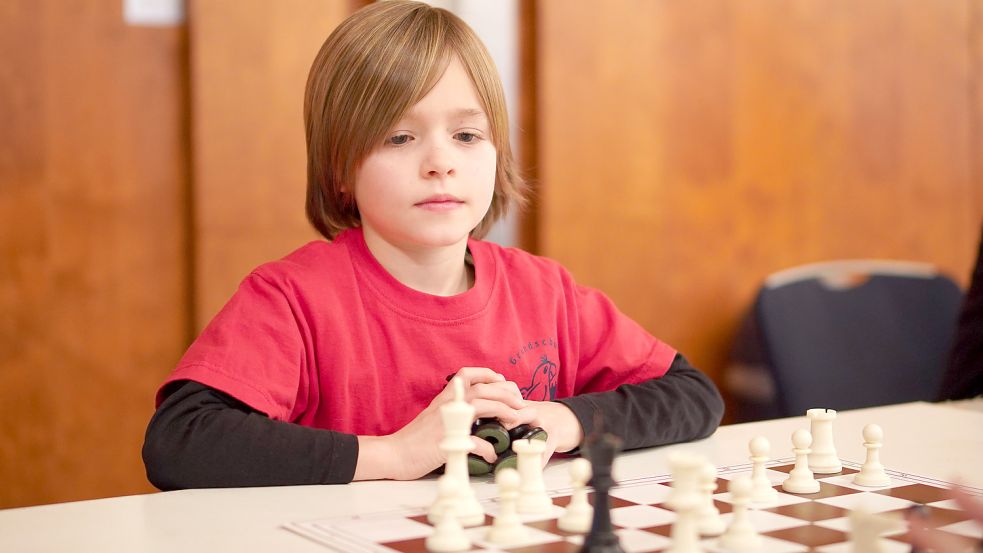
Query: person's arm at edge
[[203, 438], [680, 406]]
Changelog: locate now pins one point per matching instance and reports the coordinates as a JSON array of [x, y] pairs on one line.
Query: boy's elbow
[[161, 460], [714, 406]]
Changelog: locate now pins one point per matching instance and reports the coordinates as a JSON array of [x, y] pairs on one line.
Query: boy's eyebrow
[[462, 113]]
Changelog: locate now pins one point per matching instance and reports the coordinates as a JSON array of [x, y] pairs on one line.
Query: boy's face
[[431, 182]]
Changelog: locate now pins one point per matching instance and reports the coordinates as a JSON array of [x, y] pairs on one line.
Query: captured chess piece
[[740, 536], [872, 472], [578, 515], [823, 458], [492, 432], [600, 448], [800, 479], [761, 490]]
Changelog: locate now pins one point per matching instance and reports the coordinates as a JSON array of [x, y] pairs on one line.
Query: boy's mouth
[[440, 202]]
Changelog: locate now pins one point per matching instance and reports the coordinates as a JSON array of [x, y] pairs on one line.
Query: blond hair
[[377, 64]]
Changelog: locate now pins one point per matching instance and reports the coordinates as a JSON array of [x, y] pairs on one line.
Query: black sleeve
[[680, 406], [203, 438], [964, 376]]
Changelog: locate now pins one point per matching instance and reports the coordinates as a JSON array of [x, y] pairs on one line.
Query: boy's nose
[[438, 163]]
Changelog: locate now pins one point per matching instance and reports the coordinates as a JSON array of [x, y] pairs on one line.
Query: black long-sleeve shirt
[[202, 438]]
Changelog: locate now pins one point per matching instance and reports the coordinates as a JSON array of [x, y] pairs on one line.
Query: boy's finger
[[972, 505], [926, 538], [505, 392], [478, 375], [483, 449]]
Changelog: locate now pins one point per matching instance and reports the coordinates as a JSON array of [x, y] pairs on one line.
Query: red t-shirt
[[325, 337]]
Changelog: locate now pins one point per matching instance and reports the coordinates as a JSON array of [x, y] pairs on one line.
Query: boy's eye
[[399, 139], [466, 136]]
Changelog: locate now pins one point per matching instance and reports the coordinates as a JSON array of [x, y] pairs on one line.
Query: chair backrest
[[856, 334]]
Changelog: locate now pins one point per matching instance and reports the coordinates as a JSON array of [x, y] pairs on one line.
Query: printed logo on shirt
[[540, 384]]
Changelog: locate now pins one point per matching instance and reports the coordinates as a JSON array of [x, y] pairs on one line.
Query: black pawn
[[600, 450]]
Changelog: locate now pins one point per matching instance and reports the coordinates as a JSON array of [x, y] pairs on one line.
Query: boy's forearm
[[201, 438], [681, 406]]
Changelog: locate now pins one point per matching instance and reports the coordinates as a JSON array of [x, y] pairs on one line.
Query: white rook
[[532, 490], [823, 458]]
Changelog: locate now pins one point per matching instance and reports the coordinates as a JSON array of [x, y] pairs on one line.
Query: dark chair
[[843, 335]]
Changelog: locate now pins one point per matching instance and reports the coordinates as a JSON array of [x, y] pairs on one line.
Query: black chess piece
[[600, 448]]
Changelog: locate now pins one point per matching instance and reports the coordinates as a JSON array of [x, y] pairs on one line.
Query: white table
[[940, 441]]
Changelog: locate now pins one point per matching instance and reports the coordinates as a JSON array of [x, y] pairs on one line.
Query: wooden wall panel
[[249, 65], [93, 276], [688, 149]]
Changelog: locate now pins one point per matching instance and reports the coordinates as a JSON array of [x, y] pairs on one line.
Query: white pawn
[[740, 536], [872, 472], [507, 528], [710, 522], [761, 490], [579, 514], [800, 479], [448, 536]]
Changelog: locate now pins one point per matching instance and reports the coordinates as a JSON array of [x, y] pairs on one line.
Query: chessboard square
[[766, 521], [846, 480], [768, 545], [886, 546], [418, 545], [641, 516], [870, 502], [564, 500], [843, 525], [633, 541], [494, 508], [934, 516], [825, 490], [961, 544], [644, 494], [553, 547], [773, 476], [384, 530], [967, 528], [786, 468], [810, 510], [534, 537], [811, 535], [781, 498], [918, 493]]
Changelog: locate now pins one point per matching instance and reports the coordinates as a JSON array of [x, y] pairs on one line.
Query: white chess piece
[[507, 528], [823, 458], [532, 491], [872, 472], [710, 522], [448, 535], [740, 536], [687, 501], [579, 514], [457, 494], [761, 490], [866, 529], [800, 479]]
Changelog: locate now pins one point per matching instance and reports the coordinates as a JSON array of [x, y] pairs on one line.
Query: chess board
[[791, 524]]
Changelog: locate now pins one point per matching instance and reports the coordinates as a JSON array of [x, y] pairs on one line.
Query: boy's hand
[[563, 430], [413, 450]]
